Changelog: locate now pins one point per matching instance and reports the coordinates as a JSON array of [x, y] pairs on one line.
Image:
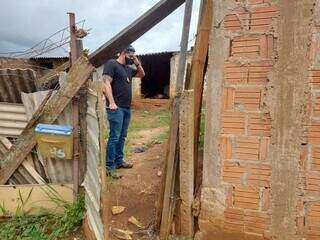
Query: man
[[117, 78]]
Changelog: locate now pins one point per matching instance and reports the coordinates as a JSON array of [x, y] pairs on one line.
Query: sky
[[25, 23]]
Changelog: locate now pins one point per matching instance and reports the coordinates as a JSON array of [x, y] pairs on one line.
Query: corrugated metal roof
[[157, 53], [15, 81], [13, 119]]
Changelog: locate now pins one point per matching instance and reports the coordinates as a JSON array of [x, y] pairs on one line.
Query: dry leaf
[[135, 221], [117, 210], [121, 234]]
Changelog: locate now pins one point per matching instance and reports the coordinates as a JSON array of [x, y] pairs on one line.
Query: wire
[[54, 41]]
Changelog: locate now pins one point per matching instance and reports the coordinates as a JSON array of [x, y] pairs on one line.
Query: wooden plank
[[27, 164], [197, 74], [184, 46], [167, 203], [170, 172], [47, 113], [101, 113], [38, 200], [186, 142], [52, 75], [135, 30]]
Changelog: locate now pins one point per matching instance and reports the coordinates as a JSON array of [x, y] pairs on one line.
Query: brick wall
[[239, 200]]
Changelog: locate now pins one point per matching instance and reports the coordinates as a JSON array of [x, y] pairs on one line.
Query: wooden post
[[197, 75], [101, 112], [186, 142], [168, 200], [74, 55]]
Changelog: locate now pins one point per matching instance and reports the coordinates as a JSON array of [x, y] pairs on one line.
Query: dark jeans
[[118, 124]]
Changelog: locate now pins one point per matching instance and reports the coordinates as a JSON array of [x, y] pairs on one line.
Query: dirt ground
[[138, 189]]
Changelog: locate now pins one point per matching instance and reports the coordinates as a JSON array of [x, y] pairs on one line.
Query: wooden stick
[[186, 142], [197, 75], [168, 200], [47, 113]]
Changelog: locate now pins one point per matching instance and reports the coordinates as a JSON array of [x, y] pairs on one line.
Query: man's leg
[[115, 124], [119, 149]]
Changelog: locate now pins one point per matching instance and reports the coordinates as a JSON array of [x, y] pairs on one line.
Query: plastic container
[[55, 141]]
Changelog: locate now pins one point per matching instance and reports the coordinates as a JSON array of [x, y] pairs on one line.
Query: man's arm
[[107, 90], [140, 71]]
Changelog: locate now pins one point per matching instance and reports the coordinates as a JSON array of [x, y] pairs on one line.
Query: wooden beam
[[167, 203], [184, 46], [38, 200], [186, 142], [135, 30], [197, 75], [47, 113], [27, 164], [101, 113]]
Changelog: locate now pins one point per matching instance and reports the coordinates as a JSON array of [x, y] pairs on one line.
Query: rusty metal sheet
[[13, 119], [92, 182], [15, 81]]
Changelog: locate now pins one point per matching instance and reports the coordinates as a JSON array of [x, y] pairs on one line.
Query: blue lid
[[54, 129]]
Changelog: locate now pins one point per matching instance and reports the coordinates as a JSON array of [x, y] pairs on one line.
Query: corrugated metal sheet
[[92, 182], [13, 119], [15, 81], [25, 173], [57, 170]]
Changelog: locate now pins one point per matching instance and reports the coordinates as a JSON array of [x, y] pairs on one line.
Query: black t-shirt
[[121, 81]]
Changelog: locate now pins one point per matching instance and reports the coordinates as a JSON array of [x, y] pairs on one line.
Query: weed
[[46, 226]]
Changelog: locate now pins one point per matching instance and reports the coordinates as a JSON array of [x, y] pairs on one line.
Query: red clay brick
[[247, 148], [259, 125], [313, 222], [232, 123], [315, 79], [314, 133], [226, 147], [234, 219], [265, 201], [262, 18], [258, 72], [228, 98], [259, 175], [248, 47], [237, 20], [236, 73], [256, 222], [233, 172], [313, 182], [246, 198], [248, 97], [264, 147], [316, 158], [316, 107]]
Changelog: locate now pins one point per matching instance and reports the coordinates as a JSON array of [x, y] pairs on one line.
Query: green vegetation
[[45, 226], [144, 120]]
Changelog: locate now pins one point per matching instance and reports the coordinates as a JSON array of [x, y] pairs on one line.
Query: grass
[[143, 120], [46, 226]]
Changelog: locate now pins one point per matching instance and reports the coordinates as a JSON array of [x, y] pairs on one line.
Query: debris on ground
[[159, 173], [136, 222], [117, 210], [139, 149], [121, 234]]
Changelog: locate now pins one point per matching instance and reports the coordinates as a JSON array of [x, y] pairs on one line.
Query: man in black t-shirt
[[117, 77]]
